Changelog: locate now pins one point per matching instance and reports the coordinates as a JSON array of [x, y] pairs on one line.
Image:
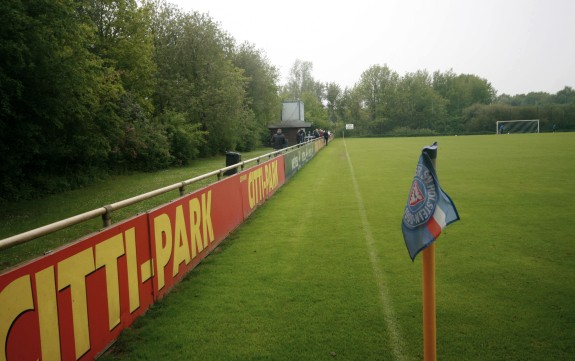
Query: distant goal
[[517, 126]]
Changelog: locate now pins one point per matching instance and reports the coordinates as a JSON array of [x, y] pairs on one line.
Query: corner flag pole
[[428, 276], [429, 337], [420, 228]]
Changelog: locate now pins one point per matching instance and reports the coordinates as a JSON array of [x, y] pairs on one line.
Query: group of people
[[317, 133], [279, 140]]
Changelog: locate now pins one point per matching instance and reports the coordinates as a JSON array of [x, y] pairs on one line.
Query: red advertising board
[[72, 303]]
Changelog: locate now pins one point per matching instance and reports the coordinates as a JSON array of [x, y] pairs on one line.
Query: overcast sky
[[519, 46]]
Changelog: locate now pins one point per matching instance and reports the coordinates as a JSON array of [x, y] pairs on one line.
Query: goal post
[[517, 126]]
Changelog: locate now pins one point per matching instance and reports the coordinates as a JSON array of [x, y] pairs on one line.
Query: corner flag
[[429, 209]]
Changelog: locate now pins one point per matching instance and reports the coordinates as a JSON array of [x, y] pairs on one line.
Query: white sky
[[519, 46]]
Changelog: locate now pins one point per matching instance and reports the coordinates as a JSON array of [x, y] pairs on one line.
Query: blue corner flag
[[429, 209]]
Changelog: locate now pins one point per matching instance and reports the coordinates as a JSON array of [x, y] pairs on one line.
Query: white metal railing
[[106, 211]]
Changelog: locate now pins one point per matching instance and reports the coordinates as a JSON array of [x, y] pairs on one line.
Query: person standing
[[325, 136], [301, 135], [279, 140]]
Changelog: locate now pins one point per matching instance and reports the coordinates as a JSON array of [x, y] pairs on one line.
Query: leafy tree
[[54, 84], [300, 80], [333, 97], [124, 43], [462, 90], [419, 105], [13, 54], [185, 139], [351, 110], [261, 94], [377, 89], [196, 77], [302, 86], [533, 98], [565, 96]]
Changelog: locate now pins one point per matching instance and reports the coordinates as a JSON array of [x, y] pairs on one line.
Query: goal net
[[517, 126]]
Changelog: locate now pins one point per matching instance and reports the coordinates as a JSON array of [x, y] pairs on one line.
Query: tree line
[[383, 103], [90, 88]]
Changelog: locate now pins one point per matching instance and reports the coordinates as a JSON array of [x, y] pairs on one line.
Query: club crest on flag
[[429, 209], [422, 198]]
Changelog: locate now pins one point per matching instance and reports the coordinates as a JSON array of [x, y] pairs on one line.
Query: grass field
[[321, 270]]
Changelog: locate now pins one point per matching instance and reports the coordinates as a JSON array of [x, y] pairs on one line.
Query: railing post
[[182, 189], [107, 217]]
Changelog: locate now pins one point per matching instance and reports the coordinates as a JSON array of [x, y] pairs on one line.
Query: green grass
[[321, 270], [505, 271]]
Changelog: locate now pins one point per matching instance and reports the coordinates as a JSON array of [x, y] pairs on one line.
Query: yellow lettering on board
[[181, 245], [255, 183], [275, 176], [72, 273], [147, 270], [15, 299], [268, 181], [251, 191], [48, 314], [207, 218], [261, 185], [258, 184], [195, 233], [107, 254], [162, 227], [132, 263]]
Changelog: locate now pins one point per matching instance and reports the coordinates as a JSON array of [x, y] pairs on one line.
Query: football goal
[[517, 126]]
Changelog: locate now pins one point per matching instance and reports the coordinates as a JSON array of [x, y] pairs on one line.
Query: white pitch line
[[388, 312]]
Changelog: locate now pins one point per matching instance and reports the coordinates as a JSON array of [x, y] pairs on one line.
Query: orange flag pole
[[429, 335], [420, 229]]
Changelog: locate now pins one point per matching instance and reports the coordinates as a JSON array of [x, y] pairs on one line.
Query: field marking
[[388, 312]]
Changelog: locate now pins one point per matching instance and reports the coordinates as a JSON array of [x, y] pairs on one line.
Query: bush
[[185, 139]]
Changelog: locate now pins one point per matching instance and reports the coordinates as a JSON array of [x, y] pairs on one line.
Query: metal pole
[[107, 217]]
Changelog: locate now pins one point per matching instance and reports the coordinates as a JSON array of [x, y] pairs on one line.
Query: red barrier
[[74, 302]]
